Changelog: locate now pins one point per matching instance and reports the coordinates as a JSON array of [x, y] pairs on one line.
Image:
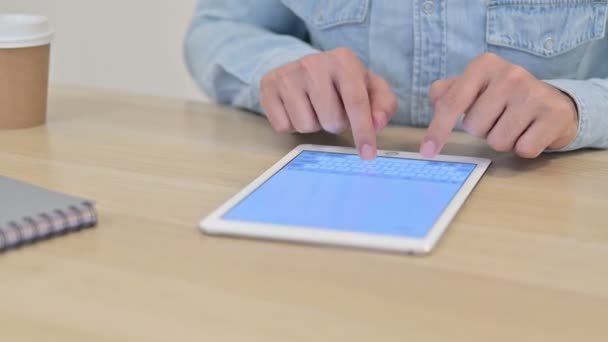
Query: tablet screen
[[336, 191]]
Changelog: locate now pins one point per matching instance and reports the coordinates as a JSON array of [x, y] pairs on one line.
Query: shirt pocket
[[335, 23], [533, 32], [545, 28]]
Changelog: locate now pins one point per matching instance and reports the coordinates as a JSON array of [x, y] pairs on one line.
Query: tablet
[[327, 195]]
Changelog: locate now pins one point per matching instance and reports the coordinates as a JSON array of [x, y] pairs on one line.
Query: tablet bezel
[[214, 224]]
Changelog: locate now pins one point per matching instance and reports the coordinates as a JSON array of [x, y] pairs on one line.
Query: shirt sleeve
[[232, 44], [591, 97]]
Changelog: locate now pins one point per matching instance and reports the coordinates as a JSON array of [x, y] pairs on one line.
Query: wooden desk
[[525, 260]]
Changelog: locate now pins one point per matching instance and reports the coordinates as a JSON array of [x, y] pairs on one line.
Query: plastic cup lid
[[24, 30]]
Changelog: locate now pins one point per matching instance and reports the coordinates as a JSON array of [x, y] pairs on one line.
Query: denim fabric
[[232, 44]]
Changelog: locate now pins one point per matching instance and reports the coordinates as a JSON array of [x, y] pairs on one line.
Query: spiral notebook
[[30, 213]]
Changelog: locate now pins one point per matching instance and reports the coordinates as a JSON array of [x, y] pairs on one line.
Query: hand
[[504, 104], [329, 91]]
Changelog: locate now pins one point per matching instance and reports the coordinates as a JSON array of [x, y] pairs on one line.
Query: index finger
[[450, 106], [352, 87]]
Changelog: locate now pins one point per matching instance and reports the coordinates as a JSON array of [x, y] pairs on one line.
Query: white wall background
[[125, 45]]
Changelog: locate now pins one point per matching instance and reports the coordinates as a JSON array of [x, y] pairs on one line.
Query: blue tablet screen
[[335, 191]]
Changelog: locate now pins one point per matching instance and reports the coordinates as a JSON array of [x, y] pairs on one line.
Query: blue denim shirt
[[232, 44]]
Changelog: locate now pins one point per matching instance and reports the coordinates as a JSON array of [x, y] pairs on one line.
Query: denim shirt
[[232, 44]]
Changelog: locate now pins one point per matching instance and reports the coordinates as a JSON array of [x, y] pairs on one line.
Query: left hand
[[506, 105]]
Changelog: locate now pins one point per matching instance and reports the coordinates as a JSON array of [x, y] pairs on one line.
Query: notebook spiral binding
[[47, 225]]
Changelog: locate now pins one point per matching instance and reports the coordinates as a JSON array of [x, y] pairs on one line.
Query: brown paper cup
[[24, 70]]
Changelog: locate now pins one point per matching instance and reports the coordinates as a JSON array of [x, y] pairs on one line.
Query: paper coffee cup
[[24, 70]]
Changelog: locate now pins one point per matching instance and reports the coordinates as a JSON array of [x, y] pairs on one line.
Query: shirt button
[[428, 7], [549, 44]]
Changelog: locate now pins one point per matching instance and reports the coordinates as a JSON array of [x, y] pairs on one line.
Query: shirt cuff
[[591, 97]]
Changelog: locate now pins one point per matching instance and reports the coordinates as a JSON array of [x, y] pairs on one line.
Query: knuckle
[[485, 60], [446, 102], [470, 127], [347, 61], [310, 64], [393, 104], [344, 53], [358, 99], [516, 75], [284, 74], [281, 126], [527, 150], [267, 81], [498, 144], [335, 126], [435, 90], [489, 56], [278, 123], [307, 126]]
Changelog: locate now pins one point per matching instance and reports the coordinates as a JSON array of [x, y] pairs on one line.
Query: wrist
[[571, 110]]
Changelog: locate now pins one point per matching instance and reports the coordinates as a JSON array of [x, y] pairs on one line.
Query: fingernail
[[428, 150], [367, 152]]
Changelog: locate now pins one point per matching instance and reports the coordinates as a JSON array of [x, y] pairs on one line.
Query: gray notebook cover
[[29, 212]]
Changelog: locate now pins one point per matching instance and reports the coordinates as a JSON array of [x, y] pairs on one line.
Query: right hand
[[329, 91]]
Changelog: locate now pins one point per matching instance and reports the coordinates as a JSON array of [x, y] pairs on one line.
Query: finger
[[275, 110], [326, 103], [383, 101], [449, 107], [510, 126], [438, 89], [301, 113], [299, 109], [536, 139], [352, 87], [484, 113]]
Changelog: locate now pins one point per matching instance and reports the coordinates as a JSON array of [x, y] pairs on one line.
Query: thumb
[[382, 99]]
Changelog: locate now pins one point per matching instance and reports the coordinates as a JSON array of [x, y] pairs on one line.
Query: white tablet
[[328, 195]]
